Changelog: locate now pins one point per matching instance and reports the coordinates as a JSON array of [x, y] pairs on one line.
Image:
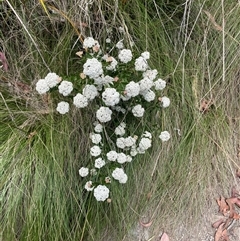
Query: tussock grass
[[175, 183]]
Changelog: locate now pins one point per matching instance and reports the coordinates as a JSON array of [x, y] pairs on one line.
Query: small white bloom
[[108, 40], [89, 42], [120, 142], [150, 74], [144, 144], [52, 79], [101, 193], [90, 92], [129, 141], [138, 110], [159, 84], [121, 158], [63, 107], [112, 156], [148, 95], [65, 88], [120, 45], [146, 55], [98, 128], [121, 29], [42, 86], [145, 84], [95, 151], [88, 186], [96, 138], [123, 178], [110, 97], [132, 89], [117, 173], [80, 101], [141, 64], [99, 162], [165, 101], [120, 130], [133, 151], [83, 171], [164, 136], [125, 55], [104, 114], [129, 158], [92, 68], [113, 65]]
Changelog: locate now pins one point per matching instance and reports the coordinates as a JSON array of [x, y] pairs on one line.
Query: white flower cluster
[[118, 98], [50, 81]]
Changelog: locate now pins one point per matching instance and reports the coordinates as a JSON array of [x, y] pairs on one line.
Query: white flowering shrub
[[122, 89]]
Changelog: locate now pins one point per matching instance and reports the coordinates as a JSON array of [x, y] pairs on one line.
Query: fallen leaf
[[223, 206], [164, 237], [218, 223], [205, 105], [221, 234]]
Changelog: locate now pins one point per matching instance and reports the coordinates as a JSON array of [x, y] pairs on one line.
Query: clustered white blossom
[[101, 74]]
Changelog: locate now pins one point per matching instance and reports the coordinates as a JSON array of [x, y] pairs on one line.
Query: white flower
[[104, 114], [89, 42], [98, 128], [113, 64], [99, 162], [123, 179], [165, 101], [150, 74], [148, 95], [144, 144], [129, 158], [120, 130], [101, 193], [138, 110], [80, 101], [119, 175], [63, 107], [121, 158], [83, 171], [129, 141], [120, 142], [42, 86], [133, 151], [145, 84], [52, 79], [95, 151], [164, 136], [141, 64], [110, 97], [125, 55], [65, 88], [90, 92], [88, 186], [132, 89], [92, 68], [112, 156], [120, 45], [159, 84], [108, 40], [145, 55], [96, 138]]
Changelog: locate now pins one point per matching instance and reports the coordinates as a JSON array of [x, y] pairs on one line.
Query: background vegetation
[[195, 47]]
